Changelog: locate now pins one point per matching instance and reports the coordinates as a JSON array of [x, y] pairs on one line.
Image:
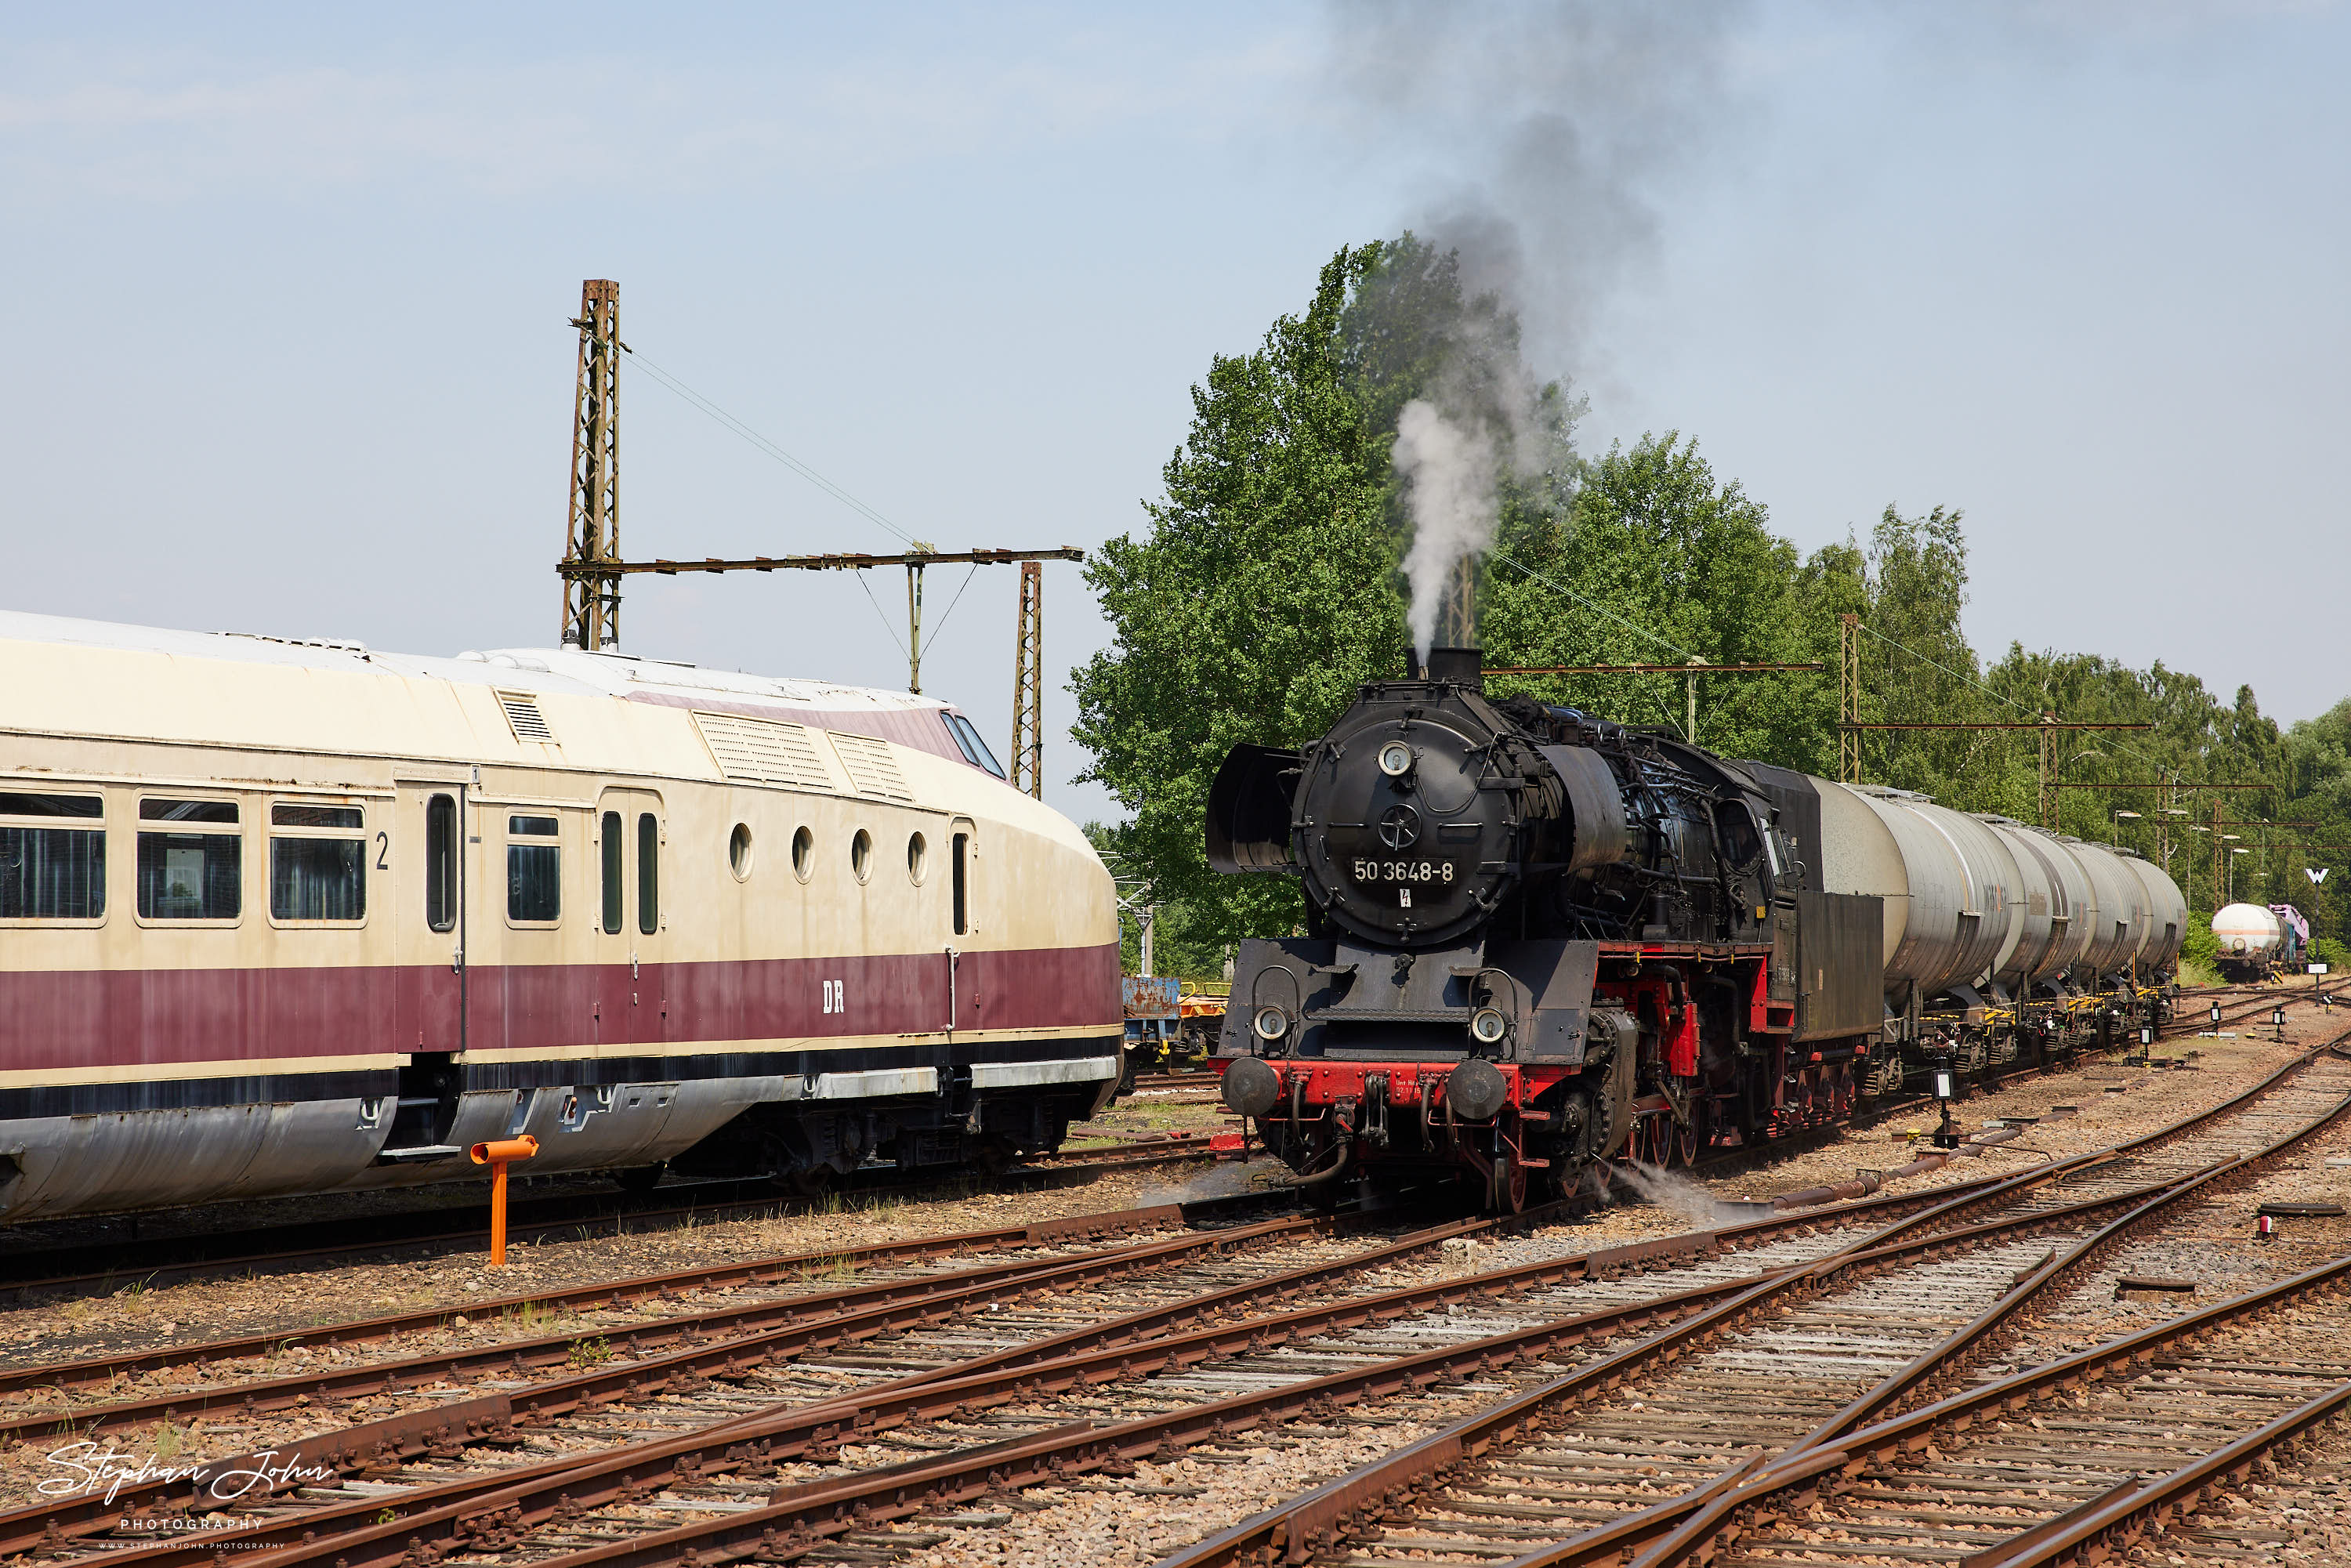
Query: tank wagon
[[1536, 939], [288, 917], [2253, 942]]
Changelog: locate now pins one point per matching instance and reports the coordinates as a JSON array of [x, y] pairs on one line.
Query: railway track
[[1625, 1449], [82, 1266], [935, 1423], [1102, 1347]]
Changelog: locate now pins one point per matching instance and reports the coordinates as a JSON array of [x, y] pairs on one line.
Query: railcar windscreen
[[190, 875], [967, 736], [51, 873]]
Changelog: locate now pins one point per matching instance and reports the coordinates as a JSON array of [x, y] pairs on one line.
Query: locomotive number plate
[[1388, 873]]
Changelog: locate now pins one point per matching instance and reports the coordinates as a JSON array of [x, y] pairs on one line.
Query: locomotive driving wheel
[[1690, 1139], [1509, 1185]]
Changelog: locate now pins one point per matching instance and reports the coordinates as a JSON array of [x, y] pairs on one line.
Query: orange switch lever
[[498, 1156]]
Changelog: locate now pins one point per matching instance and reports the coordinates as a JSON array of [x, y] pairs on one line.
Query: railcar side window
[[962, 853], [441, 862], [51, 872], [534, 871], [611, 846], [318, 873], [186, 872], [648, 873]]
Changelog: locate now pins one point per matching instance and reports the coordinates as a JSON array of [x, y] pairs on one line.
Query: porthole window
[[861, 854], [918, 855], [804, 854], [738, 852]]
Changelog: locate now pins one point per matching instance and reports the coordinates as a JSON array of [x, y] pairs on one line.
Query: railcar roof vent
[[871, 767], [763, 751], [522, 713]]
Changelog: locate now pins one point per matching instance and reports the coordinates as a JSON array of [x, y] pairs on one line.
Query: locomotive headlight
[[1271, 1023], [1487, 1026], [1396, 760]]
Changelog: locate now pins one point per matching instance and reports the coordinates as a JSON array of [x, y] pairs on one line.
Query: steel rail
[[814, 1511], [422, 1431], [1681, 1520], [1784, 1482], [482, 1421], [907, 1488], [291, 1244], [2115, 1521], [1292, 1531], [777, 1269], [1037, 1365], [762, 1327]]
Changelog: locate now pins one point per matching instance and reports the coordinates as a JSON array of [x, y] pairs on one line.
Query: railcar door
[[422, 851], [631, 838]]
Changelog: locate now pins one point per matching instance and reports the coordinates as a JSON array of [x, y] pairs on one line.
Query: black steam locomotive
[[1534, 939]]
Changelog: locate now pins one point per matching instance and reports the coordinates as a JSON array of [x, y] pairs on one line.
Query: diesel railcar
[[1536, 939], [288, 917]]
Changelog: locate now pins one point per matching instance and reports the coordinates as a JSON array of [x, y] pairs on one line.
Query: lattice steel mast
[[1028, 684], [592, 554]]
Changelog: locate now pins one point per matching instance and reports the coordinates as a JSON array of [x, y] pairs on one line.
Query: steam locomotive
[[1536, 939]]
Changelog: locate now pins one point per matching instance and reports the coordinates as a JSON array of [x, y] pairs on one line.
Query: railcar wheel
[[814, 1182], [1685, 1140], [1509, 1186], [994, 1155], [640, 1178]]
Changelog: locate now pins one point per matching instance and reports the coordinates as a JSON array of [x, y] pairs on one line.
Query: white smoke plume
[[1448, 475], [1668, 1189], [1544, 131]]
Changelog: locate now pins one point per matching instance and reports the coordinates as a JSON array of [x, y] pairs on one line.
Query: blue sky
[[287, 291]]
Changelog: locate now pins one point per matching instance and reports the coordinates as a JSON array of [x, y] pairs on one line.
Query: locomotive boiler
[[1535, 939]]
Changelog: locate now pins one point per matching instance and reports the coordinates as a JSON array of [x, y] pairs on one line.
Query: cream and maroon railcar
[[286, 918]]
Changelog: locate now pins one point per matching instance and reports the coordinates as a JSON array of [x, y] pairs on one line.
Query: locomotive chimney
[[1463, 666]]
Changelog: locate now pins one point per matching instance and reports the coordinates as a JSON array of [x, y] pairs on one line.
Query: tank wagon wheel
[[640, 1178], [814, 1182], [993, 1156]]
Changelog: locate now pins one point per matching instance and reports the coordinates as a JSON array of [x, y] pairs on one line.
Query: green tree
[[1259, 601], [1657, 560]]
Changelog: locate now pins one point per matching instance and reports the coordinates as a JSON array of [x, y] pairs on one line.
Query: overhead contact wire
[[674, 384]]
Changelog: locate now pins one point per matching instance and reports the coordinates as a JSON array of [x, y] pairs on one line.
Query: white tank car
[[2247, 939], [1982, 909], [283, 917]]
